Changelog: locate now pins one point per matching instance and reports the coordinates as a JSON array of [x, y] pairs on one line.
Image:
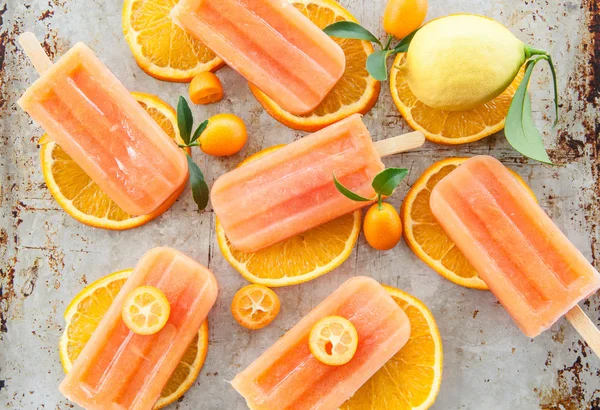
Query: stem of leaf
[[544, 55], [380, 201], [389, 42]]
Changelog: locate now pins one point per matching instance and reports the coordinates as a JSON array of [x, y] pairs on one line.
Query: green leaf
[[402, 46], [185, 120], [200, 190], [387, 180], [350, 29], [349, 194], [377, 65], [199, 131], [520, 128]]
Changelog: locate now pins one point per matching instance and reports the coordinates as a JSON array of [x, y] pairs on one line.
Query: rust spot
[[50, 43], [559, 335], [3, 41], [45, 15], [568, 394], [588, 87], [7, 276], [475, 313]]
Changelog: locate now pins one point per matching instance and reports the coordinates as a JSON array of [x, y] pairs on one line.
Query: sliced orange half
[[355, 92], [449, 127], [425, 236], [160, 47]]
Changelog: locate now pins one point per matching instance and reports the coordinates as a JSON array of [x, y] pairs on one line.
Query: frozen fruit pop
[[270, 43], [118, 369], [528, 263], [291, 190], [88, 112], [288, 377]]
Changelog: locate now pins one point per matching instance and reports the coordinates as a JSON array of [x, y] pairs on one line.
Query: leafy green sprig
[[384, 184], [519, 128], [185, 123], [377, 61]]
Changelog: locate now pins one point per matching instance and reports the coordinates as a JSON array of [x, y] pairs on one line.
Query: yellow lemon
[[461, 61]]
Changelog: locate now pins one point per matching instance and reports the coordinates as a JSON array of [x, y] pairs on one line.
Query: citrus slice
[[160, 47], [80, 197], [426, 237], [411, 379], [333, 340], [83, 315], [255, 306], [307, 256], [355, 92], [146, 310], [449, 127]]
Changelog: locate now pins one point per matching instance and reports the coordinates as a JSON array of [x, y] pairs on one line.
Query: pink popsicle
[[88, 112], [529, 264], [288, 377], [291, 190], [270, 43], [118, 369]]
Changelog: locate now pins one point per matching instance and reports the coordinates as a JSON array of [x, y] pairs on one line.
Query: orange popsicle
[[291, 190], [118, 369], [529, 264], [270, 43], [287, 376], [89, 113]]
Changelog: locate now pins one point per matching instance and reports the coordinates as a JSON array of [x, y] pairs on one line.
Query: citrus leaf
[[402, 46], [520, 128], [200, 190], [199, 131], [349, 194], [386, 182], [350, 29], [377, 65], [185, 120]]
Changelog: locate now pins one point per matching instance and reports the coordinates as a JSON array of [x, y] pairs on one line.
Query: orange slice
[[426, 237], [355, 92], [146, 310], [449, 127], [83, 315], [333, 340], [411, 379], [80, 197], [255, 306], [160, 47], [307, 256]]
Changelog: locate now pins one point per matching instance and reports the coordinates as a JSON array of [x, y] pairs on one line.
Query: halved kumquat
[[255, 306], [206, 88], [333, 340], [146, 310]]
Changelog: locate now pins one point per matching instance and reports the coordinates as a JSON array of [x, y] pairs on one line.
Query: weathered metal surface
[[47, 257]]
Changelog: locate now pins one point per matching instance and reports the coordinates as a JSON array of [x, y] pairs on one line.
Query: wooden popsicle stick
[[35, 52], [585, 327], [400, 143]]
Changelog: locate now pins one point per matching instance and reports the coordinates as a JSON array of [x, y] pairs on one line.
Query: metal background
[[46, 257]]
